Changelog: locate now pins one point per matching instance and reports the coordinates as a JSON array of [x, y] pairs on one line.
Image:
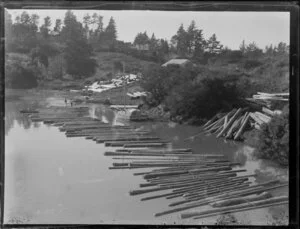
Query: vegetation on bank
[[273, 139]]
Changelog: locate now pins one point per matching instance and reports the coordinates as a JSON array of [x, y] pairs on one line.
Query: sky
[[231, 28]]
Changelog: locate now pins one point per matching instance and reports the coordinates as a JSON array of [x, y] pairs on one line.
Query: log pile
[[198, 179], [233, 124], [76, 122], [268, 99]]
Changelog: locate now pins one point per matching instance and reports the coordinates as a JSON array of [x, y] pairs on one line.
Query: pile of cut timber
[[268, 99], [75, 122], [198, 179], [232, 125]]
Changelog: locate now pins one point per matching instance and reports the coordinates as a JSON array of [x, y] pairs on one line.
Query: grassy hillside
[[106, 60], [51, 79]]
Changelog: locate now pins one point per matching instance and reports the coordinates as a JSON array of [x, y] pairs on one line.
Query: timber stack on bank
[[232, 125]]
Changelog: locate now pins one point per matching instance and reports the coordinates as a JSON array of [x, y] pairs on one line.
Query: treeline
[[66, 46], [190, 43]]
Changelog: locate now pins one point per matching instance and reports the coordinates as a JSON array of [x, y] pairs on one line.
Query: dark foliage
[[188, 93], [273, 139], [252, 64], [19, 77]]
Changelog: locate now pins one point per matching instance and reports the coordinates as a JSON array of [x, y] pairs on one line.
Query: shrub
[[204, 99], [273, 138], [252, 64], [19, 77]]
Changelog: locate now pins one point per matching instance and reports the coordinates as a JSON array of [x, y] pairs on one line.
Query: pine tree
[[179, 40], [243, 47], [78, 53], [190, 37], [111, 31], [199, 44], [45, 28], [214, 45], [24, 32], [57, 27], [153, 43]]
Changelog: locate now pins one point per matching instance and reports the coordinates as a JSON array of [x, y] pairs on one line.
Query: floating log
[[206, 194], [209, 200], [173, 150], [240, 200], [122, 143], [129, 138], [244, 209], [235, 207], [183, 172], [132, 145]]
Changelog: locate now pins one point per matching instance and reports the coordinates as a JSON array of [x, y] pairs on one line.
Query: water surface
[[50, 178]]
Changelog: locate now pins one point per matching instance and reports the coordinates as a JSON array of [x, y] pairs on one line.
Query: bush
[[252, 64], [273, 138], [204, 99], [19, 77]]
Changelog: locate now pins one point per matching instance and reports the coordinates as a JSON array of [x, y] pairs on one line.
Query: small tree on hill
[[243, 47]]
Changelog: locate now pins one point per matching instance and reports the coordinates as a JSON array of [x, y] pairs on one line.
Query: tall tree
[[57, 27], [214, 45], [282, 48], [45, 28], [111, 31], [35, 19], [199, 44], [78, 53], [153, 43], [24, 32], [180, 41], [190, 37], [100, 24], [86, 20]]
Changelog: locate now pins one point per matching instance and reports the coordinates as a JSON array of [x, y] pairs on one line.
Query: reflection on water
[[12, 115], [69, 181]]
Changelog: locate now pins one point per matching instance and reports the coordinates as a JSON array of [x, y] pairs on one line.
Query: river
[[52, 179]]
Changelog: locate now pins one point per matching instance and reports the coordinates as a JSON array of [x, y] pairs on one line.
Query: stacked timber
[[198, 180], [233, 124], [230, 125], [75, 122], [268, 99]]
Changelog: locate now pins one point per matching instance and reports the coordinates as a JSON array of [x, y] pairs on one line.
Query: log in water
[[235, 207]]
